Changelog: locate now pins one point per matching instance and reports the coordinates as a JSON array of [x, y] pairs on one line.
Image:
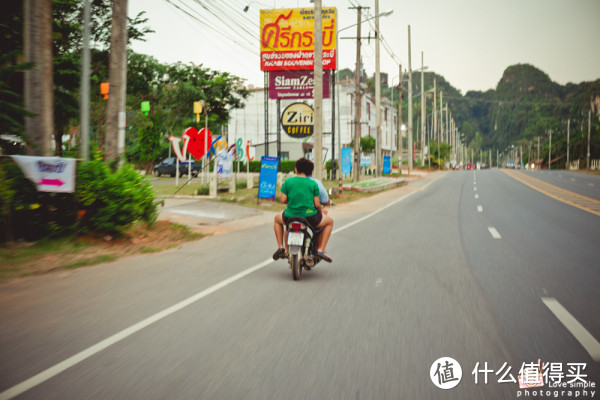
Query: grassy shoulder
[[166, 187], [27, 259]]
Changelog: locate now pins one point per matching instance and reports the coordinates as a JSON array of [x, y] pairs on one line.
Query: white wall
[[248, 123]]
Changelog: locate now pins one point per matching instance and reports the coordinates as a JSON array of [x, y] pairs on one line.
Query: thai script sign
[[50, 174], [295, 84], [287, 39], [267, 186], [297, 120]]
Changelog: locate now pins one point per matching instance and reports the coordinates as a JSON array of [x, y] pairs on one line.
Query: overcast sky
[[469, 42]]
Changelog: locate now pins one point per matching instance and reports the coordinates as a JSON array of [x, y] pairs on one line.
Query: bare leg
[[278, 227], [327, 225]]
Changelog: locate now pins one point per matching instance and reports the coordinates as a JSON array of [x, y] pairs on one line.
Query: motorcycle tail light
[[296, 226]]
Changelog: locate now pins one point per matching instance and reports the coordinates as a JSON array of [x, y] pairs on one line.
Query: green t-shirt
[[301, 194]]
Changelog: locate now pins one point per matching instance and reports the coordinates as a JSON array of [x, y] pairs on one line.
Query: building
[[249, 124]]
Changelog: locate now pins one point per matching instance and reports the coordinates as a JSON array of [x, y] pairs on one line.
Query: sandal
[[280, 253], [323, 256]]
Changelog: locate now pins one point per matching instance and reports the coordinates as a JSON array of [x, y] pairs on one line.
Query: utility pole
[[568, 141], [84, 101], [442, 115], [447, 138], [587, 160], [550, 151], [378, 160], [400, 120], [410, 116], [435, 130], [357, 102], [318, 96], [423, 112], [116, 73]]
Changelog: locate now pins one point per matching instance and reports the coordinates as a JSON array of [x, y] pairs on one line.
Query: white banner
[[50, 174], [225, 164]]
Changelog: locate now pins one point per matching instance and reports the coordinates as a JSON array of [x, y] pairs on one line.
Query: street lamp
[[337, 36], [248, 5]]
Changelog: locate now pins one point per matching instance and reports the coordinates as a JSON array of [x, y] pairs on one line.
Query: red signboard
[[287, 39], [295, 84]]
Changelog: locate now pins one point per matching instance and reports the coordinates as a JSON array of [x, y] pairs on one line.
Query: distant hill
[[525, 105]]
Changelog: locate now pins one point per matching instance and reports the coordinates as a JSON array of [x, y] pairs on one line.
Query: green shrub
[[111, 202], [287, 166], [328, 166]]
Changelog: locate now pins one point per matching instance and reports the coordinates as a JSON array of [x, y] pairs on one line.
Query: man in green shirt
[[302, 197]]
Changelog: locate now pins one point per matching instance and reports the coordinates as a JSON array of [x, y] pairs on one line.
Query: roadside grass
[[70, 252], [21, 252], [93, 261]]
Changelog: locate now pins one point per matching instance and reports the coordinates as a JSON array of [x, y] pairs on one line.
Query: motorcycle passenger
[[301, 194]]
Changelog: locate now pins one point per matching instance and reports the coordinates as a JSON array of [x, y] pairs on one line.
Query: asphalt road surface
[[476, 266]]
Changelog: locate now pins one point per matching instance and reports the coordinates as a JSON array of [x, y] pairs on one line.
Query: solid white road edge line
[[125, 333], [585, 338]]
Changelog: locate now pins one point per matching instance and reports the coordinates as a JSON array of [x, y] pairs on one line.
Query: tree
[[38, 80], [117, 78], [367, 144]]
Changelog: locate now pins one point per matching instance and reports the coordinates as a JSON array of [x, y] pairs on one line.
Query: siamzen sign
[[287, 39], [295, 84]]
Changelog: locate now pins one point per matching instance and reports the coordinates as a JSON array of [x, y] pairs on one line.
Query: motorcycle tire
[[296, 267]]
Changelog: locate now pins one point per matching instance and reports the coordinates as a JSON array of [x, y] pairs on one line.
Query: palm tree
[[38, 83]]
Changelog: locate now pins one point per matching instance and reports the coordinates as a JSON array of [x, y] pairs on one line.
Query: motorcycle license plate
[[295, 239]]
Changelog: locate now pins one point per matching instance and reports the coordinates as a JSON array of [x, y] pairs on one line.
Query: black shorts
[[313, 220]]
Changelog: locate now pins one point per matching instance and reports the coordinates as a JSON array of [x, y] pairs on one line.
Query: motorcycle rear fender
[[295, 250]]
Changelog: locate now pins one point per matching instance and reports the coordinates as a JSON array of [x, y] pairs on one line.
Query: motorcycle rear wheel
[[296, 268]]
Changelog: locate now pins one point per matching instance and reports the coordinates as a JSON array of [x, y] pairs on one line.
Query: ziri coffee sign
[[287, 39], [297, 120]]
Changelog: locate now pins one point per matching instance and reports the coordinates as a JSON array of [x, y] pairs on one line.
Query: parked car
[[510, 164], [168, 167]]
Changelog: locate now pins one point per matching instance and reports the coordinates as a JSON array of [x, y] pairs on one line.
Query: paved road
[[470, 265]]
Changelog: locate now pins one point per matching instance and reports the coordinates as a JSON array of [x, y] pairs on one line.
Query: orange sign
[[287, 39]]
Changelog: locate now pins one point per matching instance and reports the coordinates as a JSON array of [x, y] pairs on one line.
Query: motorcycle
[[302, 242]]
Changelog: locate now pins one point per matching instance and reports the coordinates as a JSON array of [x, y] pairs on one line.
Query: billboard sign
[[295, 84], [267, 187], [297, 120], [287, 39]]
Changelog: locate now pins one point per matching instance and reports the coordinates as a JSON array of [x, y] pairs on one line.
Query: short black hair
[[305, 166]]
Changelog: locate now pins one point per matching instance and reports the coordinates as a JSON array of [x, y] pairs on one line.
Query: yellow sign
[[287, 39], [297, 120]]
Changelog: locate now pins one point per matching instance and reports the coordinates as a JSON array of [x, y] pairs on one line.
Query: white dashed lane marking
[[494, 232], [583, 336]]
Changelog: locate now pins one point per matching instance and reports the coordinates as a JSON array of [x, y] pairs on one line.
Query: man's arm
[[318, 204], [284, 198]]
